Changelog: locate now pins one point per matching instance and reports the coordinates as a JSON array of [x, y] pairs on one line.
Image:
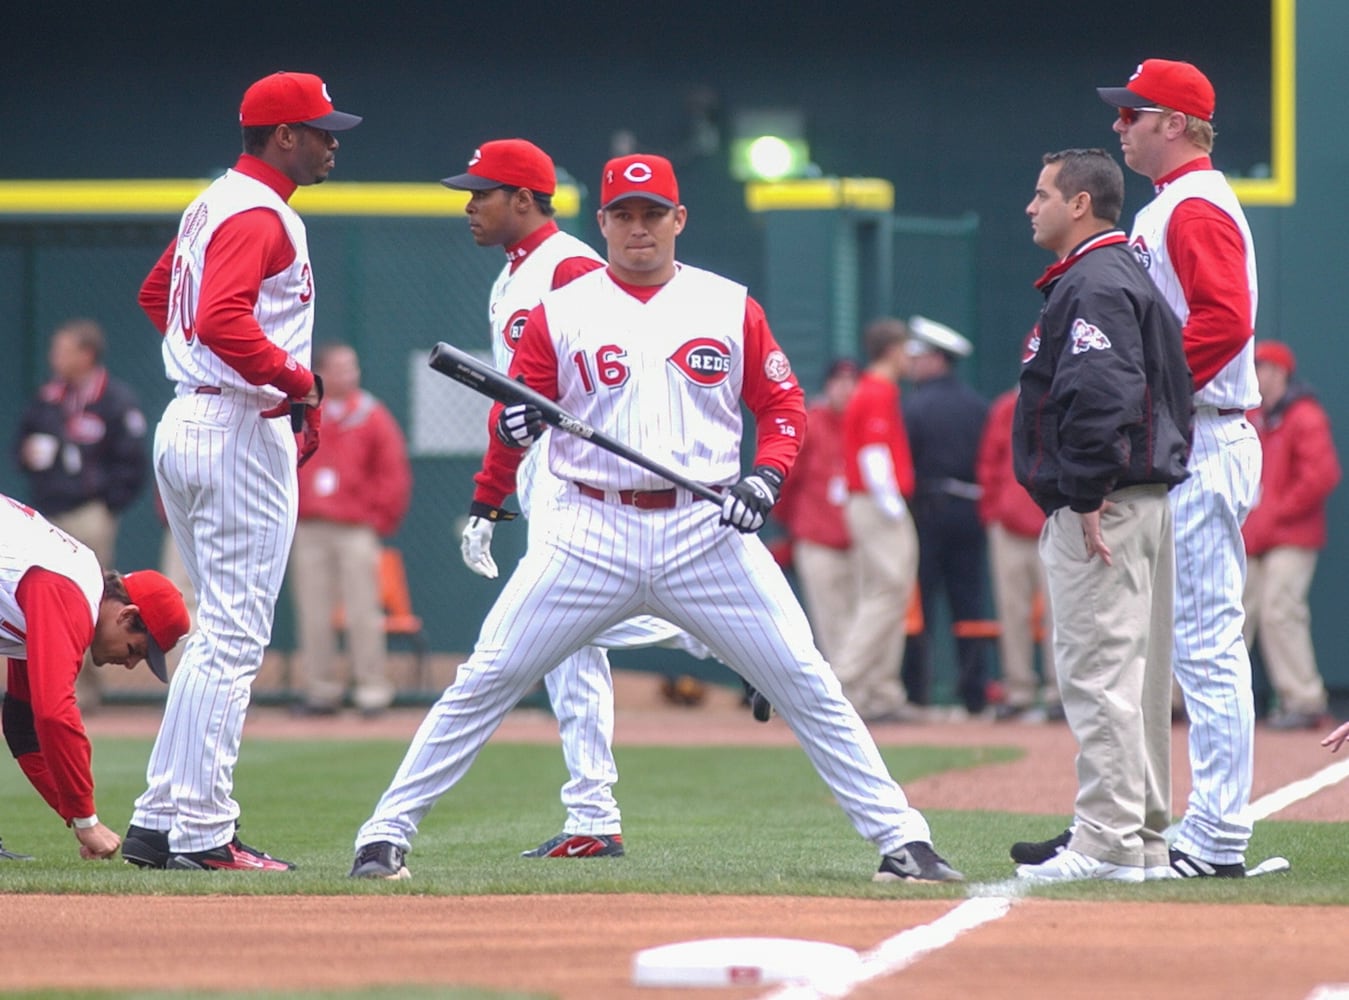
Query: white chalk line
[[990, 901]]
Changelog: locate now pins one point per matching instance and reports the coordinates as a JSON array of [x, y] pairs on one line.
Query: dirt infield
[[580, 946]]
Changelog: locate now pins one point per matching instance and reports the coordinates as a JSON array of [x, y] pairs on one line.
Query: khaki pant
[[1018, 574], [96, 526], [887, 569], [1276, 613], [1113, 635], [337, 565], [828, 578]]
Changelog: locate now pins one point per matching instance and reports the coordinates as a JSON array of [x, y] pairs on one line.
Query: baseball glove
[[685, 691]]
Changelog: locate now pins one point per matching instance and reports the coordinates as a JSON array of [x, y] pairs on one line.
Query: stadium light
[[769, 146]]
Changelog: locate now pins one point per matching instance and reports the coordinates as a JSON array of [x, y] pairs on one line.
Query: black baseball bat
[[483, 378]]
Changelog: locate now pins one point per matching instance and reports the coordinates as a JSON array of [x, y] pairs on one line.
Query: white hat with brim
[[929, 335]]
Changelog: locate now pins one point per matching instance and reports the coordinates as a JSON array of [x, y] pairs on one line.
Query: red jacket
[[361, 475], [1004, 500], [1300, 471], [811, 505], [873, 416]]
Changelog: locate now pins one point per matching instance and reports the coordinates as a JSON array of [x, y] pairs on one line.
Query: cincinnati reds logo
[[638, 173], [1032, 346], [704, 361], [514, 327], [477, 155], [1141, 251], [1088, 338], [777, 367], [324, 87], [194, 224]]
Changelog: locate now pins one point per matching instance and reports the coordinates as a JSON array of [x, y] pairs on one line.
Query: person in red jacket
[[880, 479], [811, 511], [1285, 531], [354, 492], [1013, 521], [56, 604]]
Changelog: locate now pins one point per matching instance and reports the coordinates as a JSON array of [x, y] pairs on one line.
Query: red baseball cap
[[164, 612], [506, 163], [641, 175], [1276, 353], [293, 98], [1164, 82]]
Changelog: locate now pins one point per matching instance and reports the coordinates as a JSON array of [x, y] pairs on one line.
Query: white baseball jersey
[[1235, 385], [31, 540], [687, 343], [285, 307], [1211, 662]]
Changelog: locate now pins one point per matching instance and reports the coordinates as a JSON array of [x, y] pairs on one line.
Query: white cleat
[[1073, 866]]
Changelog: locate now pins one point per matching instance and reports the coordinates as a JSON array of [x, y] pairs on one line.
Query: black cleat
[[1188, 866], [145, 848], [916, 862], [1038, 852]]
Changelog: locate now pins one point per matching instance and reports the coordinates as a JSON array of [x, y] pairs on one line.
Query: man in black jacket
[[1102, 432]]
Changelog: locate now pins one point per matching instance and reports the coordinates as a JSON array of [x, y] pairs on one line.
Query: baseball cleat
[[1188, 866], [380, 860], [236, 856], [12, 855], [579, 845], [761, 707], [145, 848], [916, 862], [1038, 852]]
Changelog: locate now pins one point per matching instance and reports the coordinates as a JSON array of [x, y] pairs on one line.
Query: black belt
[[1229, 411], [207, 390]]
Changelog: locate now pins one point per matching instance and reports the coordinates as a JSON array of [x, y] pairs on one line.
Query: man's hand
[[305, 418], [307, 441], [97, 843], [747, 504], [476, 544], [1091, 535], [1336, 739], [520, 425]]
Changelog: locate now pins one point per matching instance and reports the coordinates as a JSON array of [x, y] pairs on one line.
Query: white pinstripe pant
[[604, 563], [1211, 662], [228, 481]]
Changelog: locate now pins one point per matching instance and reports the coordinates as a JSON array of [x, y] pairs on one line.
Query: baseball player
[[56, 604], [1194, 241], [233, 296], [512, 182], [660, 355]]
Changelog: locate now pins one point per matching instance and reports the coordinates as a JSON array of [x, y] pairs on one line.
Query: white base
[[745, 961]]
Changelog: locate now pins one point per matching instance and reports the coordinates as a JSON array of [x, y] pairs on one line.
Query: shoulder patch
[[1141, 252], [777, 367], [1088, 338]]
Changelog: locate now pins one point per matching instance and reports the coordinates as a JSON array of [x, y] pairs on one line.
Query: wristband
[[85, 824]]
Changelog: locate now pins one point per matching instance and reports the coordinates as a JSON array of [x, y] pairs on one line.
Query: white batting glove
[[476, 547]]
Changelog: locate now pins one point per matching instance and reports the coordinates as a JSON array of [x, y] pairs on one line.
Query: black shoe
[[579, 845], [380, 860], [1038, 852], [1188, 866], [760, 707], [145, 848], [916, 862], [236, 856]]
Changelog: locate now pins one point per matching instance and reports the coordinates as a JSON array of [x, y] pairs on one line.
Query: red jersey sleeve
[[772, 393], [535, 361], [60, 629], [154, 293], [247, 248], [1209, 255], [991, 462], [572, 268]]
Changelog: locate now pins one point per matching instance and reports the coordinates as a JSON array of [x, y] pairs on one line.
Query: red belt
[[641, 499], [207, 390]]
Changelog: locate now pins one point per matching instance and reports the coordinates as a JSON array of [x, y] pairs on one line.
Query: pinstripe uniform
[[580, 689], [1211, 662], [666, 373], [228, 480]]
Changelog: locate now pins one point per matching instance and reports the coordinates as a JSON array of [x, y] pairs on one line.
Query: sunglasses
[[1130, 115]]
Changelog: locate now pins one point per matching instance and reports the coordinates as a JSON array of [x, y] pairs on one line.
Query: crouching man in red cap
[[56, 602]]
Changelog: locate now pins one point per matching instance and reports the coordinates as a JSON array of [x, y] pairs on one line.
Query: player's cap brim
[[643, 195], [470, 182], [154, 658], [335, 121], [1123, 97]]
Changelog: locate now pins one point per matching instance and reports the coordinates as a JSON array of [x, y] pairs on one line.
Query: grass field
[[706, 820]]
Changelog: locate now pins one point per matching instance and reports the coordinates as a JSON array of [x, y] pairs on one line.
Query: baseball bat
[[481, 377]]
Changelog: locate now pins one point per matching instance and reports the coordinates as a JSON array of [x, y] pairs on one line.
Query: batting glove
[[747, 504], [520, 425], [476, 544]]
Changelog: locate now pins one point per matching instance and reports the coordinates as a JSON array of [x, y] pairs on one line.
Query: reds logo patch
[[1032, 346], [777, 367], [703, 361], [515, 326], [1088, 338], [1141, 251]]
